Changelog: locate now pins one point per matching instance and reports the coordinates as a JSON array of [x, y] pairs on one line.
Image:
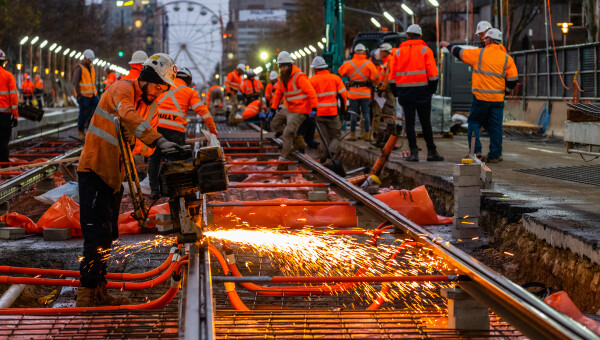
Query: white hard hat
[[415, 29], [318, 62], [494, 33], [184, 71], [386, 47], [482, 27], [138, 57], [2, 55], [284, 58], [241, 67], [273, 75], [359, 47], [250, 73], [89, 54], [164, 66]]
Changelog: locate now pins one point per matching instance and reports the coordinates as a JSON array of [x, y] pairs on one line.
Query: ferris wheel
[[194, 38]]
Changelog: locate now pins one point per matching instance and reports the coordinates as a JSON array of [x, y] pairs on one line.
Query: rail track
[[203, 308]]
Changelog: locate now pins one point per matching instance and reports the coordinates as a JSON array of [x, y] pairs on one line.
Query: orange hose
[[155, 304], [213, 250], [232, 294]]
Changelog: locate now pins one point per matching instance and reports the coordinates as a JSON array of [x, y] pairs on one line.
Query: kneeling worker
[[101, 171]]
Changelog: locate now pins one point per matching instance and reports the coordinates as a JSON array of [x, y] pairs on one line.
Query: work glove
[[165, 145], [127, 137], [262, 115], [14, 122], [213, 131], [272, 113], [313, 114]]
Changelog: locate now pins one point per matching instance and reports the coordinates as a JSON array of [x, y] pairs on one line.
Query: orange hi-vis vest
[[173, 107], [414, 65], [111, 78], [298, 93], [252, 109], [384, 72], [269, 91], [359, 69], [87, 83], [39, 84], [250, 86], [101, 153], [233, 81], [9, 95], [209, 91], [328, 86], [28, 87], [491, 69]]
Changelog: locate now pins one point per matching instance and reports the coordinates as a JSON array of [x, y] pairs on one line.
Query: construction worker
[[28, 88], [39, 90], [328, 86], [136, 63], [233, 82], [363, 76], [111, 78], [251, 87], [270, 88], [415, 78], [254, 108], [101, 170], [9, 107], [384, 90], [172, 109], [84, 82], [301, 102], [494, 74], [215, 96], [482, 28]]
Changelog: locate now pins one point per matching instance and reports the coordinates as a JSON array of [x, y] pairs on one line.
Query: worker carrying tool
[[9, 107], [251, 87], [28, 88], [136, 64], [101, 170], [328, 86], [84, 83], [270, 88], [301, 102], [363, 77], [494, 75], [39, 90], [233, 82], [415, 78], [171, 122]]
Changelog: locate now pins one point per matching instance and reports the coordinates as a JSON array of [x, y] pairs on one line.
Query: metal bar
[[249, 147], [252, 154], [263, 162], [597, 154], [275, 204], [334, 279], [275, 172], [24, 155], [276, 185], [197, 319]]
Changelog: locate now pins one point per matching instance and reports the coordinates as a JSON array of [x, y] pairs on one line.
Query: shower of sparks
[[128, 251], [311, 252]]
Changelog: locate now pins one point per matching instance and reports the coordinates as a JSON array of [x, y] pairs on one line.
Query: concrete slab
[[11, 233], [57, 234]]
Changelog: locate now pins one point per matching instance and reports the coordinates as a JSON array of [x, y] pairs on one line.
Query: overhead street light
[[66, 51], [375, 22], [324, 40], [307, 51], [264, 55], [24, 40], [44, 43], [407, 9], [312, 48], [320, 45], [434, 3], [34, 40], [293, 56], [58, 49], [389, 17], [53, 46], [302, 53]]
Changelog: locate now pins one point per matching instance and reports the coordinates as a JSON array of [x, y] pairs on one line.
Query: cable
[[554, 48], [508, 23]]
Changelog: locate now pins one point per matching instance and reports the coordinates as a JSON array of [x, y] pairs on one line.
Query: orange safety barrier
[[562, 303], [415, 205]]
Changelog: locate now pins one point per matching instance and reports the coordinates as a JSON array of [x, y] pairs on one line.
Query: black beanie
[[148, 74]]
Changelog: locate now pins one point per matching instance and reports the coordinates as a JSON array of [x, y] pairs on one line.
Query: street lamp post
[[391, 19], [33, 41], [436, 4], [408, 11], [21, 43]]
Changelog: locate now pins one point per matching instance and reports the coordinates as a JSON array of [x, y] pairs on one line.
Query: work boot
[[364, 136], [352, 136], [105, 299], [414, 156], [87, 297], [81, 134], [299, 143], [434, 156]]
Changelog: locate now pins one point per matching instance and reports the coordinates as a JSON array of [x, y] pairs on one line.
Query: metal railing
[[533, 72]]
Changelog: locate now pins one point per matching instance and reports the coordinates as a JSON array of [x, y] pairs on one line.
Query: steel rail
[[17, 185], [521, 308]]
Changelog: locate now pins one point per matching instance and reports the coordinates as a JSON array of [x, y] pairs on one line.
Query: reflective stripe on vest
[[9, 92], [87, 87], [172, 123], [357, 70], [171, 94], [489, 73], [327, 94], [488, 91], [410, 73], [326, 104], [294, 93]]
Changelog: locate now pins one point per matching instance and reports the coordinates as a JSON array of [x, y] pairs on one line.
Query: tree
[[522, 13], [591, 15]]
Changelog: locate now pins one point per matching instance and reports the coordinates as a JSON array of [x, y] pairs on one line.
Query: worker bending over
[[171, 122], [415, 78], [101, 170], [233, 81], [9, 107], [254, 108], [328, 86], [363, 77], [494, 75], [251, 87], [214, 99], [301, 101]]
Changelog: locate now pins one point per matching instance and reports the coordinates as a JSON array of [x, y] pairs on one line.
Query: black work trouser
[[424, 112], [156, 158], [99, 215], [5, 133]]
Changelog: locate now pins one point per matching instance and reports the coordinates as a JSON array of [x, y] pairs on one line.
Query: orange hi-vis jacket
[[251, 86], [134, 72], [101, 153], [9, 95], [384, 72], [173, 107], [27, 87], [233, 81], [87, 83], [111, 78], [360, 70], [270, 91], [39, 84], [492, 67], [209, 91], [414, 65], [328, 86], [298, 93], [252, 109]]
